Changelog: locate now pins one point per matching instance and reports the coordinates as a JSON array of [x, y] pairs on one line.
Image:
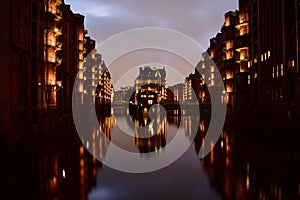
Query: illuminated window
[[229, 54], [265, 56], [281, 70], [255, 60], [229, 88], [249, 79], [277, 71], [273, 72], [262, 57], [227, 20], [242, 68], [293, 63], [80, 73], [255, 75], [80, 35], [51, 55], [229, 44], [269, 54], [212, 53], [80, 46]]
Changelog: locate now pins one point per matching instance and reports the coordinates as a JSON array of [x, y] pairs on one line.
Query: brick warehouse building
[[273, 56], [43, 45], [257, 55]]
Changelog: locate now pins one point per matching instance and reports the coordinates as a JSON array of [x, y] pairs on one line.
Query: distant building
[[123, 95], [150, 87], [178, 92]]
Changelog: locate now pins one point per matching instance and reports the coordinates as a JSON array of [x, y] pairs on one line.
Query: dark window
[[34, 47], [34, 28], [19, 14], [18, 35], [25, 18], [34, 10]]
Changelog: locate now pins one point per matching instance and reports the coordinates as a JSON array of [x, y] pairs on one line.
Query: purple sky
[[199, 19]]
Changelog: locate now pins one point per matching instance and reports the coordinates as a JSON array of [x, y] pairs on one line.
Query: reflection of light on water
[[247, 182], [202, 126], [212, 153], [248, 176], [81, 169]]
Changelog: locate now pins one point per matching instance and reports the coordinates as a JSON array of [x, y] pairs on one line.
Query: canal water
[[249, 161]]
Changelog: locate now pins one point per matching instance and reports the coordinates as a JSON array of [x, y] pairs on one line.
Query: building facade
[[150, 87], [43, 46]]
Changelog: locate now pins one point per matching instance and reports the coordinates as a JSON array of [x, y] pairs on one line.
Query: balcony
[[58, 15], [242, 59], [57, 31], [58, 61], [58, 46], [58, 2]]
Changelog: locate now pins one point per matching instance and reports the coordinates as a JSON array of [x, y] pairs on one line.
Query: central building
[[150, 87]]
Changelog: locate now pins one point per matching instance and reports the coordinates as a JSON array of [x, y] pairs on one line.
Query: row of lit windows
[[149, 96], [265, 56], [277, 72]]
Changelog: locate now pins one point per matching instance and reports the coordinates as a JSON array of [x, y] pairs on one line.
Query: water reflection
[[246, 163], [152, 138], [54, 166]]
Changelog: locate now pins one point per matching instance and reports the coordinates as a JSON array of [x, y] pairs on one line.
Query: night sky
[[199, 19]]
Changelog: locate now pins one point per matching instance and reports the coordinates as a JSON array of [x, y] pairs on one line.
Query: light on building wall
[[52, 82], [59, 84], [56, 30], [227, 21], [255, 60], [229, 88]]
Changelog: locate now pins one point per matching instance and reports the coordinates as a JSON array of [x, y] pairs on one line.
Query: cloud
[[199, 19]]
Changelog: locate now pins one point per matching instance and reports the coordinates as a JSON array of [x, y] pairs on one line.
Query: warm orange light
[[229, 44], [227, 21], [81, 150], [229, 75], [247, 182]]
